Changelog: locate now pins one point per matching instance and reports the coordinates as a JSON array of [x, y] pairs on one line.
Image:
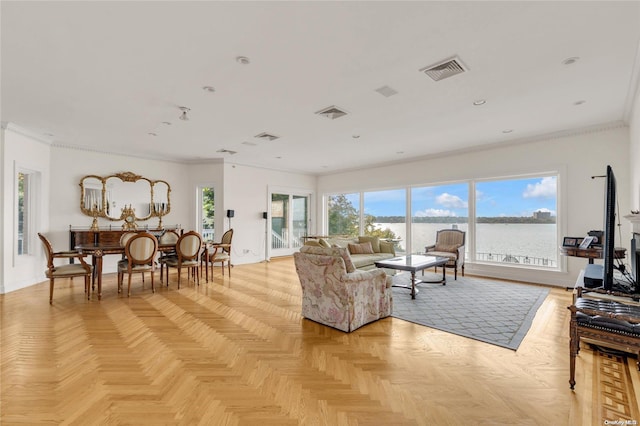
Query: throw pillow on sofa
[[375, 242], [362, 248], [324, 243]]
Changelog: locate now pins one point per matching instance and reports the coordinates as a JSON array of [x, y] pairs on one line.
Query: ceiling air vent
[[226, 151], [266, 136], [332, 112], [445, 69], [386, 91]]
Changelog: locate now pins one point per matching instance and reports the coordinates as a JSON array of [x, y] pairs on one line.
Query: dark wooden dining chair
[[71, 270], [221, 252]]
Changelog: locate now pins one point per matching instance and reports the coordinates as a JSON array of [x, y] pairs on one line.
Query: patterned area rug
[[495, 312]]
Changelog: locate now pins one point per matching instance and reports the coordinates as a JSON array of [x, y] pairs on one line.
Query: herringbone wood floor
[[236, 351]]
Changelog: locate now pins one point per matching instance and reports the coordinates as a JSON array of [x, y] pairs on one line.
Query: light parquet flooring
[[235, 351]]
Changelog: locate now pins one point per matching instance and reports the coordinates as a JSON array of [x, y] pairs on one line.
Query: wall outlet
[[245, 251]]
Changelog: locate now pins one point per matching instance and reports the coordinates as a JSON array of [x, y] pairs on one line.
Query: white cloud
[[451, 201], [546, 188], [435, 213]]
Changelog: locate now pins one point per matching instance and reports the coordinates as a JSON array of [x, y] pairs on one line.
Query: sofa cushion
[[367, 261], [337, 251], [451, 248], [362, 248], [375, 242], [324, 243]]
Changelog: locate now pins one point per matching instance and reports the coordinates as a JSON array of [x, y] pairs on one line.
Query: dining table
[[97, 251]]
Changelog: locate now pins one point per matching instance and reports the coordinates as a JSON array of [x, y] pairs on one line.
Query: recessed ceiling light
[[243, 60], [49, 134], [507, 131], [571, 60], [279, 158], [399, 152], [579, 102], [356, 136], [208, 88], [153, 134], [166, 123], [479, 102]]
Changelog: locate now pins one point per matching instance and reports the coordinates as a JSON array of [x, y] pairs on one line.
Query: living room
[[574, 152]]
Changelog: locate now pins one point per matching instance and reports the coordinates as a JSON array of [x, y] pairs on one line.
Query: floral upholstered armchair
[[335, 294]]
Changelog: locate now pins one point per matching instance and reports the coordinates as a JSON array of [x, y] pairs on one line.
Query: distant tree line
[[459, 219]]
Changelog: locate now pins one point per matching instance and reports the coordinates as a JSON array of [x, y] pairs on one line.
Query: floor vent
[[332, 112], [266, 136], [445, 69]]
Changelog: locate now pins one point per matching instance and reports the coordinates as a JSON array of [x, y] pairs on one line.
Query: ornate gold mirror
[[124, 196]]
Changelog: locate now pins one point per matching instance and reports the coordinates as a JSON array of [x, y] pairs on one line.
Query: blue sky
[[514, 197]]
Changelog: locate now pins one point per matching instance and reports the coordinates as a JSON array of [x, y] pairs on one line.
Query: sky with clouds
[[514, 197]]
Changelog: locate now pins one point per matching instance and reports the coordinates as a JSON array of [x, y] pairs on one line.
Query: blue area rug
[[496, 312]]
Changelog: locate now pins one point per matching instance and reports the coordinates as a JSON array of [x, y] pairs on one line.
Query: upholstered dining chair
[[71, 270], [187, 255], [449, 244], [221, 252], [140, 252], [168, 237]]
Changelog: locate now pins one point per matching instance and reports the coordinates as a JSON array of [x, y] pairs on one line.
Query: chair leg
[[463, 270], [179, 273], [229, 267], [50, 291], [153, 288], [129, 286], [87, 286], [455, 271]]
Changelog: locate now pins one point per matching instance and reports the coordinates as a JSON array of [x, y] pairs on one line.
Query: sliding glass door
[[289, 222]]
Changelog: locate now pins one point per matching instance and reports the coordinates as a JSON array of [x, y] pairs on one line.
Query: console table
[[107, 235], [591, 252]]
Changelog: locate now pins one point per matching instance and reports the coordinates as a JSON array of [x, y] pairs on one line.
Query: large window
[[437, 207], [507, 221], [385, 215], [344, 214], [516, 221]]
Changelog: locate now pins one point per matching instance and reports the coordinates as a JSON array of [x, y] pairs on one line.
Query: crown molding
[[13, 127]]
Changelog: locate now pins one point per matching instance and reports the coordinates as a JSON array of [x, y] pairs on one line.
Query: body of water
[[523, 241]]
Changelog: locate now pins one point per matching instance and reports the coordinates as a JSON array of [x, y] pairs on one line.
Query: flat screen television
[[608, 244]]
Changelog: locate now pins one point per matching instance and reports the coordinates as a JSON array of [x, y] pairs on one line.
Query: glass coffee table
[[414, 263]]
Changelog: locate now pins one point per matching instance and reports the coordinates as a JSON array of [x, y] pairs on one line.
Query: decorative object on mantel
[[129, 215], [109, 196]]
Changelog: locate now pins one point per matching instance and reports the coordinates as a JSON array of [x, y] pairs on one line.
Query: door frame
[[300, 192]]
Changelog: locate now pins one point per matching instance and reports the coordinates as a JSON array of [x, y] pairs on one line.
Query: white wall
[[246, 191], [577, 157], [21, 149]]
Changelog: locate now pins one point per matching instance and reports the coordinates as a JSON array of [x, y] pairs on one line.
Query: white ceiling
[[103, 75]]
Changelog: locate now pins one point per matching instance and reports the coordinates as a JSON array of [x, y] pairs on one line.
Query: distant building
[[542, 215]]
